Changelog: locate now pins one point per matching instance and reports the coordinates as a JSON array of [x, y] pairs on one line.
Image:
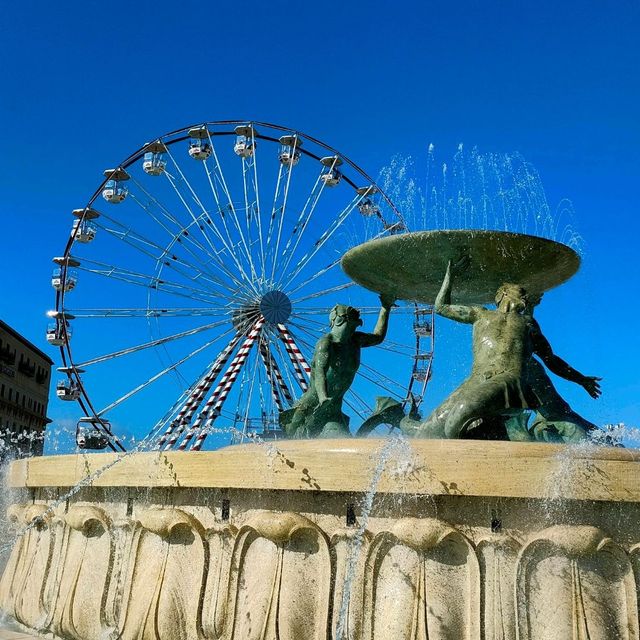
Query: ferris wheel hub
[[275, 306]]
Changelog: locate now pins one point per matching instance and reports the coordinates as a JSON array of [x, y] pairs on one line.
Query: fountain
[[460, 526], [343, 538]]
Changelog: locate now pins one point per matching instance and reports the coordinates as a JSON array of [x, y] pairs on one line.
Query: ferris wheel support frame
[[195, 399], [200, 388], [221, 392]]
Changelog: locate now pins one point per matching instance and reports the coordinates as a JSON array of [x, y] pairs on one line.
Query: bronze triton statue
[[505, 377], [318, 412]]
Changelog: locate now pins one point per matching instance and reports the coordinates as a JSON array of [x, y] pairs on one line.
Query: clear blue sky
[[83, 84]]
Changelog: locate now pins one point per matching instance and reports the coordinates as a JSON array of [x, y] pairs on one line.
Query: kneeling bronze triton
[[506, 381]]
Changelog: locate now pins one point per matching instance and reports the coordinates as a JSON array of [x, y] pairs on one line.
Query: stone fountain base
[[464, 540]]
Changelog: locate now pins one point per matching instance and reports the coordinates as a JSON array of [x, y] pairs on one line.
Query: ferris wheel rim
[[175, 137], [139, 153]]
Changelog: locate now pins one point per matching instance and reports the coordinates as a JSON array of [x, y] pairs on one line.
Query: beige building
[[25, 376]]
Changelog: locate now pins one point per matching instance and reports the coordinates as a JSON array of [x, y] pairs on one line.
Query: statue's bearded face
[[343, 316], [512, 297]]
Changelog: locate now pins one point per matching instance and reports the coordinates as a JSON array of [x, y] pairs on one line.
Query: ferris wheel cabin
[[114, 191], [64, 278], [245, 145], [83, 229], [91, 433], [199, 146], [154, 161], [367, 206], [331, 176], [67, 389], [59, 331], [289, 154]]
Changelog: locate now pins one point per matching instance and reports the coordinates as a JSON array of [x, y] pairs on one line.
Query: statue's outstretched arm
[[380, 330], [557, 365], [443, 306], [320, 367]]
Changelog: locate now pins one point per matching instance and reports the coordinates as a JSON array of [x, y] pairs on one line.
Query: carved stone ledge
[[463, 563]]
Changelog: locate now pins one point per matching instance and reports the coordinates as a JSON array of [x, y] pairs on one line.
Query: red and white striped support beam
[[296, 357], [208, 407], [224, 387], [278, 385], [190, 406]]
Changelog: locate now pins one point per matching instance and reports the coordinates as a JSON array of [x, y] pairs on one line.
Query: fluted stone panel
[[285, 565]]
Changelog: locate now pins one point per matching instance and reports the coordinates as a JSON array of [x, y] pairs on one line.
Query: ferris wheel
[[198, 277]]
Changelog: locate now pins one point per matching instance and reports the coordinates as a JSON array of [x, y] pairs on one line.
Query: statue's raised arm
[[462, 313], [555, 364], [380, 330]]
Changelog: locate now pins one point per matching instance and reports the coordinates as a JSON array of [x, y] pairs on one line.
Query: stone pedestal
[[311, 540]]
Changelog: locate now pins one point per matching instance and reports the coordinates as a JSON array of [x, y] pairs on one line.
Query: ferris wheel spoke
[[386, 380], [230, 250], [231, 205], [194, 197], [279, 390], [396, 348], [318, 274], [183, 238], [323, 292], [283, 210], [363, 409], [152, 343], [166, 254], [297, 320], [155, 433], [221, 208], [232, 254], [225, 386], [248, 216], [344, 214], [163, 210], [251, 374], [306, 331], [285, 363], [147, 281], [179, 227], [156, 377], [185, 416], [380, 384], [258, 210], [148, 312], [303, 221], [274, 211], [269, 376]]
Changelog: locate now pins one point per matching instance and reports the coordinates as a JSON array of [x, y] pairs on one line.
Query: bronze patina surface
[[410, 266]]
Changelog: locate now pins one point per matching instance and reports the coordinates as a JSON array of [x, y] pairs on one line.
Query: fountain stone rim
[[434, 467]]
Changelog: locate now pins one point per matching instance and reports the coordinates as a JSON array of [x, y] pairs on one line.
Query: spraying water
[[396, 447], [476, 190]]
